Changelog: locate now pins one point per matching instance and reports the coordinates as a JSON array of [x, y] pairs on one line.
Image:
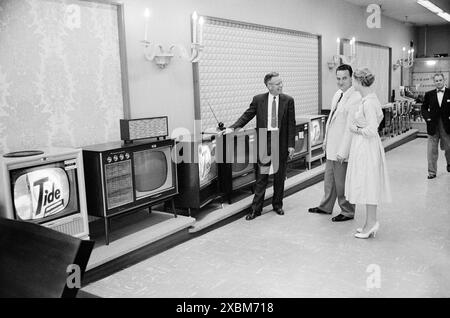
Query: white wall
[[155, 92]]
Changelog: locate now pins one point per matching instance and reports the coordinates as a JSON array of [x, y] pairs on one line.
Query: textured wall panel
[[60, 74], [237, 56], [376, 59]]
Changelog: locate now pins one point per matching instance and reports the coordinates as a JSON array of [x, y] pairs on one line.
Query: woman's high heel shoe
[[371, 232], [359, 230]]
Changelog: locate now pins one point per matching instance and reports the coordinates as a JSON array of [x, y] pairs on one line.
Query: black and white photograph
[[231, 156]]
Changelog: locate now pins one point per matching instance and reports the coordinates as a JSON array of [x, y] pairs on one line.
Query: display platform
[[140, 235], [228, 210], [133, 232]]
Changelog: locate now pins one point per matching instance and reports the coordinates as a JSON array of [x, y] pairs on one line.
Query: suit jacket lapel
[[281, 108], [435, 101], [334, 109], [264, 109]]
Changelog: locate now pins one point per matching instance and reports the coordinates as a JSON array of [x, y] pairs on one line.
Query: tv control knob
[[127, 155], [109, 159], [121, 156], [115, 158]]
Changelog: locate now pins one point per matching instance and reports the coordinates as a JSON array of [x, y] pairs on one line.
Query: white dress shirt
[[440, 96], [269, 111]]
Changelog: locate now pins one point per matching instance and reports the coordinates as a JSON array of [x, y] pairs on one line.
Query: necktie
[[440, 91], [274, 113], [334, 110]]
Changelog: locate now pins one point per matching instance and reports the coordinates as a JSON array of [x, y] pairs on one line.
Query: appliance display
[[46, 189], [386, 125], [124, 177], [207, 166], [197, 172], [317, 131], [317, 126], [301, 140], [237, 163]]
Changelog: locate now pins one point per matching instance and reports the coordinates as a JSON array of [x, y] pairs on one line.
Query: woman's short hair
[[364, 76]]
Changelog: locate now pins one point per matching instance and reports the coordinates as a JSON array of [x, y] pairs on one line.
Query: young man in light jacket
[[337, 143]]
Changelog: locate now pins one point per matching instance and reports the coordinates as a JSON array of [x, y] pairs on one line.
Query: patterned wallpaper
[[376, 59], [60, 75], [237, 56]]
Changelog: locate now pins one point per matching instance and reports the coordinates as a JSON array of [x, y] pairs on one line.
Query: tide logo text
[[46, 197]]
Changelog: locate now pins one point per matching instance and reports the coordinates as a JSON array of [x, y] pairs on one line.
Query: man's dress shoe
[[279, 211], [340, 218], [317, 210], [432, 176], [252, 215]]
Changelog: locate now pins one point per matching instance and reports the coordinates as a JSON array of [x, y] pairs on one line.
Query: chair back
[[36, 261]]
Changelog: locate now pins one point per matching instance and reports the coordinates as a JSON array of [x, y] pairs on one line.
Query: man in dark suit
[[275, 123], [436, 112]]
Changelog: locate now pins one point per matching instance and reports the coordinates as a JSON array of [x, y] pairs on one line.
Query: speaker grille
[[141, 128], [73, 226]]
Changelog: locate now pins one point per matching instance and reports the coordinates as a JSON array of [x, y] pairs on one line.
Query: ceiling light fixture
[[435, 9], [430, 6], [444, 15]]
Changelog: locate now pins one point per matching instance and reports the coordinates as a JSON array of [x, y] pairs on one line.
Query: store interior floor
[[306, 255]]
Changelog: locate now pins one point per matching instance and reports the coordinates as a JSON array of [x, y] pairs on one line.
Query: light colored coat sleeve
[[352, 106], [370, 113]]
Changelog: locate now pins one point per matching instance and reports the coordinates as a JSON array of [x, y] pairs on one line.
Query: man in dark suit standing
[[275, 123], [436, 112]]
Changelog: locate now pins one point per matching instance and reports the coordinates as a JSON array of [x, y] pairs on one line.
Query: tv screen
[[207, 166], [244, 153], [241, 160], [301, 144], [153, 171], [150, 170], [44, 192], [317, 131]]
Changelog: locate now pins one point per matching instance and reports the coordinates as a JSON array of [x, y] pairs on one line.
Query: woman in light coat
[[367, 180]]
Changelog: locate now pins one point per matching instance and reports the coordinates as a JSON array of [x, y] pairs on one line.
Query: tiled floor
[[306, 255]]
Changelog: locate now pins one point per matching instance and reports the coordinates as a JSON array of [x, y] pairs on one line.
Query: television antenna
[[220, 125]]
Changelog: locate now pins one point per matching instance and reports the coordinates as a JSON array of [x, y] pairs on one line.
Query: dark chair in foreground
[[36, 261]]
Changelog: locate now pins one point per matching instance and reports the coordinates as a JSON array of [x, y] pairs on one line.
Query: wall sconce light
[[407, 60], [339, 58], [161, 57]]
